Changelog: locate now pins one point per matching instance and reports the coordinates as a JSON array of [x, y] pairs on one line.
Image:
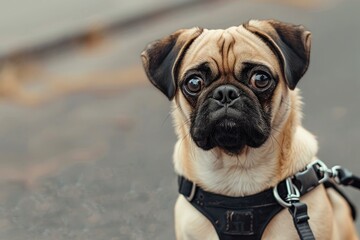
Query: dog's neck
[[283, 154]]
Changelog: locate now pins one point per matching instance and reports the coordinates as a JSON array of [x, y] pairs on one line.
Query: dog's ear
[[162, 58], [291, 43]]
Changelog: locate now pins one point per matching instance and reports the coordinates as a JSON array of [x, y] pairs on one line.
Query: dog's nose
[[226, 94]]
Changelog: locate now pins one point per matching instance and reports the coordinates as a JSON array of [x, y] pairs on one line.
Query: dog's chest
[[234, 176]]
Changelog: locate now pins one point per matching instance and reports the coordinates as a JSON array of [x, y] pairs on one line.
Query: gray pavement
[[32, 24], [86, 141]]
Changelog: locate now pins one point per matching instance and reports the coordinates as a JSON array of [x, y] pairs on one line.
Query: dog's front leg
[[190, 224]]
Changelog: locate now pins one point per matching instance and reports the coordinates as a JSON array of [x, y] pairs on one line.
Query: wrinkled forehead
[[227, 50]]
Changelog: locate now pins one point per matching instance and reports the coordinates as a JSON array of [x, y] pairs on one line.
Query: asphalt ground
[[39, 25], [86, 142]]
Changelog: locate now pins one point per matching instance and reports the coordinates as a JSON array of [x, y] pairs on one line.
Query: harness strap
[[234, 217], [248, 216], [298, 211]]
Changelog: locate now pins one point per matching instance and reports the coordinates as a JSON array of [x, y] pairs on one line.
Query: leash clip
[[293, 194], [342, 175], [297, 209], [335, 175]]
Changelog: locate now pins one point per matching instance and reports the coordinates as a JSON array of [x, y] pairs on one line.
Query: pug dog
[[237, 115]]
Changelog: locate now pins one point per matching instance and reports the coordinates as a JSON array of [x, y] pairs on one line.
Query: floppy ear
[[161, 59], [291, 43]]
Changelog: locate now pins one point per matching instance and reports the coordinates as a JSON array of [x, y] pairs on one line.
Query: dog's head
[[230, 86]]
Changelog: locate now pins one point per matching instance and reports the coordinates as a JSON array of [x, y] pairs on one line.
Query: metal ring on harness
[[293, 194], [192, 193]]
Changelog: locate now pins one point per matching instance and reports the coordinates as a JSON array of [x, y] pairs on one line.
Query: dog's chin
[[228, 136], [231, 148]]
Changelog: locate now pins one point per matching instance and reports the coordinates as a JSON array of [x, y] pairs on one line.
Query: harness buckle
[[313, 175], [324, 170], [293, 194]]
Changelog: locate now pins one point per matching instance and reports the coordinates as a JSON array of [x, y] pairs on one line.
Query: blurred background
[[85, 140]]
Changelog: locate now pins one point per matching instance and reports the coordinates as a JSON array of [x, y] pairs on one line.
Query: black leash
[[248, 216], [344, 177]]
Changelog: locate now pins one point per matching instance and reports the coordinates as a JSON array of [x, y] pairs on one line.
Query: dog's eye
[[193, 85], [260, 80]]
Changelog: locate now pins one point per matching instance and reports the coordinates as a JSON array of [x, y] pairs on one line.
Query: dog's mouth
[[229, 134], [225, 133]]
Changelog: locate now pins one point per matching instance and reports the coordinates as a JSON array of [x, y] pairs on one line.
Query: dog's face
[[230, 86]]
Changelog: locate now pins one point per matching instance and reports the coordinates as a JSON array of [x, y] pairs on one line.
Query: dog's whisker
[[172, 110], [287, 104], [166, 118], [273, 139], [276, 130], [184, 137], [238, 162]]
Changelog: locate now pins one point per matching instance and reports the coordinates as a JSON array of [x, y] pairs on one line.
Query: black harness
[[247, 217]]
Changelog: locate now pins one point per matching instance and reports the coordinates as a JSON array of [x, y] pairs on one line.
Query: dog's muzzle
[[228, 119], [226, 129]]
